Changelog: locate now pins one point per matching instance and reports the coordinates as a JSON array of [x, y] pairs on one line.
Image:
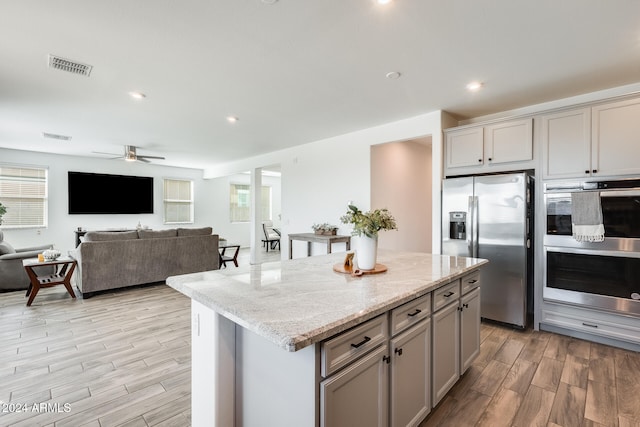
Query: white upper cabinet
[[615, 138], [603, 140], [494, 147], [465, 148], [566, 145], [508, 142]]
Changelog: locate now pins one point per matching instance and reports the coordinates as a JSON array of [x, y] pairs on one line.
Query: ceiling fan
[[130, 155]]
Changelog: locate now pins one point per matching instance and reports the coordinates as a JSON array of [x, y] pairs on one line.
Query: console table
[[317, 238], [63, 270]]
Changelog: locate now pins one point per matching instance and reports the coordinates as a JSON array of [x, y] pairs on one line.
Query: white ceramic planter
[[366, 252]]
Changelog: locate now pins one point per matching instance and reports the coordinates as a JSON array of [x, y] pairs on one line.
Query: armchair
[[13, 276], [271, 236]]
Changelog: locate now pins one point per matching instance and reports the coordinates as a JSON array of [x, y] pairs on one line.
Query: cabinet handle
[[490, 159], [480, 160], [415, 313], [589, 325], [361, 343], [448, 294], [399, 351], [386, 359], [595, 171], [471, 282], [465, 305], [587, 171]]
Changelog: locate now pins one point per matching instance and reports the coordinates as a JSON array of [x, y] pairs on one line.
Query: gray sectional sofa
[[111, 260]]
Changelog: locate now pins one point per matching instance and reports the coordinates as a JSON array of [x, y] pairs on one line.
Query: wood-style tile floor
[[528, 378], [123, 359], [117, 359]]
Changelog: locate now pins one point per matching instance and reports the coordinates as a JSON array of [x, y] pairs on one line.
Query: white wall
[[61, 225], [239, 232], [401, 182], [320, 178]]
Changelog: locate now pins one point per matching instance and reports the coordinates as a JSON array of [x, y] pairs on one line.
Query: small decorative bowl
[[51, 254]]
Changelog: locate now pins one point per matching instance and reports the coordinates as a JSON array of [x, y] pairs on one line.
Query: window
[[178, 201], [240, 203], [23, 191]]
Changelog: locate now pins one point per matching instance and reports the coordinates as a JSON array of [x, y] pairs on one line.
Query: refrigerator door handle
[[470, 227], [474, 218]]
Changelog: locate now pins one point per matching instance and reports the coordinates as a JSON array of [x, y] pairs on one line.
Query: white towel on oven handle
[[586, 217]]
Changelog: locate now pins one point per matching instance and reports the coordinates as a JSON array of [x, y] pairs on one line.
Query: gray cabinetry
[[493, 147], [469, 329], [410, 354], [445, 350], [357, 395], [601, 140]]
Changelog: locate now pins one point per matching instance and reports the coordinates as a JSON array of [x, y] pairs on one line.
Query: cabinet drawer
[[470, 281], [446, 294], [346, 347], [410, 313], [592, 322]]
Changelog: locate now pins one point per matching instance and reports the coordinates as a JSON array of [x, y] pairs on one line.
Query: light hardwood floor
[[123, 359]]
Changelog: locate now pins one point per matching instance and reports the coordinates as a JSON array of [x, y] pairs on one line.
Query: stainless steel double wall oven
[[603, 275]]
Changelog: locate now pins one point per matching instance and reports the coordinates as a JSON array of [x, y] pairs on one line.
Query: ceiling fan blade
[[108, 154], [150, 157]]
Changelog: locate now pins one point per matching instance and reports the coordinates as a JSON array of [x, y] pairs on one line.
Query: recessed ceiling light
[[474, 86], [137, 95], [383, 1], [232, 119], [393, 75]]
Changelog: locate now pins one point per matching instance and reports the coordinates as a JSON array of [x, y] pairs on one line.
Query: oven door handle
[[601, 252], [620, 193]]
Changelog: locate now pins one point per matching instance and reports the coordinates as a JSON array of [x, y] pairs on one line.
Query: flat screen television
[[97, 193]]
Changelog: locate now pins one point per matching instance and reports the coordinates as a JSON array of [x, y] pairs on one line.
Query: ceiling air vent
[[69, 66], [55, 136]]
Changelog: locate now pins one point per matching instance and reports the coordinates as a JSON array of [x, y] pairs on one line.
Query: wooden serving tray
[[341, 268]]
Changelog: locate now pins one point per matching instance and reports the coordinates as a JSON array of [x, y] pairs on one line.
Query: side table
[[224, 259], [62, 271]]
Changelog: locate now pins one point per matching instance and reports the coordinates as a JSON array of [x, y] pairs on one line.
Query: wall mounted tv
[[96, 193]]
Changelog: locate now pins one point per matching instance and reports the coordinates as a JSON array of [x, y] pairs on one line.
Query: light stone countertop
[[299, 302]]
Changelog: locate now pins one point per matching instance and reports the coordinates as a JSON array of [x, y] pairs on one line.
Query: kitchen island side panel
[[275, 387]]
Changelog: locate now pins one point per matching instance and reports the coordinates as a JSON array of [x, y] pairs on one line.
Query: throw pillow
[[204, 231], [103, 236], [157, 234]]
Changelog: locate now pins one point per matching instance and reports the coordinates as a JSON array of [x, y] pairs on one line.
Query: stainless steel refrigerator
[[491, 216]]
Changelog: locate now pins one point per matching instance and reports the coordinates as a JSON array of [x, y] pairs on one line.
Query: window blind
[[23, 191], [240, 203], [178, 201]]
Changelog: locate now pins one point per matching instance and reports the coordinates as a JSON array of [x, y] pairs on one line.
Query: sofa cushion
[[103, 236], [195, 231], [6, 248], [157, 234]]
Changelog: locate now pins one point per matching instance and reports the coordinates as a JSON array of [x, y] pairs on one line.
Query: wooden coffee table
[[62, 271]]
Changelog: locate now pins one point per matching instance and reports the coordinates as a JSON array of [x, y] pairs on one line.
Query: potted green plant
[[325, 229], [3, 210], [366, 226]]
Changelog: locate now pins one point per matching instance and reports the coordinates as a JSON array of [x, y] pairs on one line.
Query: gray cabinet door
[[358, 394], [411, 375], [445, 350], [469, 329]]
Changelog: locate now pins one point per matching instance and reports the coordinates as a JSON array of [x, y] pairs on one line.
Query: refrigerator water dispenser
[[457, 225]]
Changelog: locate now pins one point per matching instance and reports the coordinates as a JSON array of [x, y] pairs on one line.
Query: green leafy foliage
[[368, 223]]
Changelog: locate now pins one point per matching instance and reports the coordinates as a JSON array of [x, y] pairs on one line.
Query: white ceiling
[[293, 72]]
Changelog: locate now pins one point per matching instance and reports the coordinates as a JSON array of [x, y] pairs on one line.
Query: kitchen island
[[269, 339]]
